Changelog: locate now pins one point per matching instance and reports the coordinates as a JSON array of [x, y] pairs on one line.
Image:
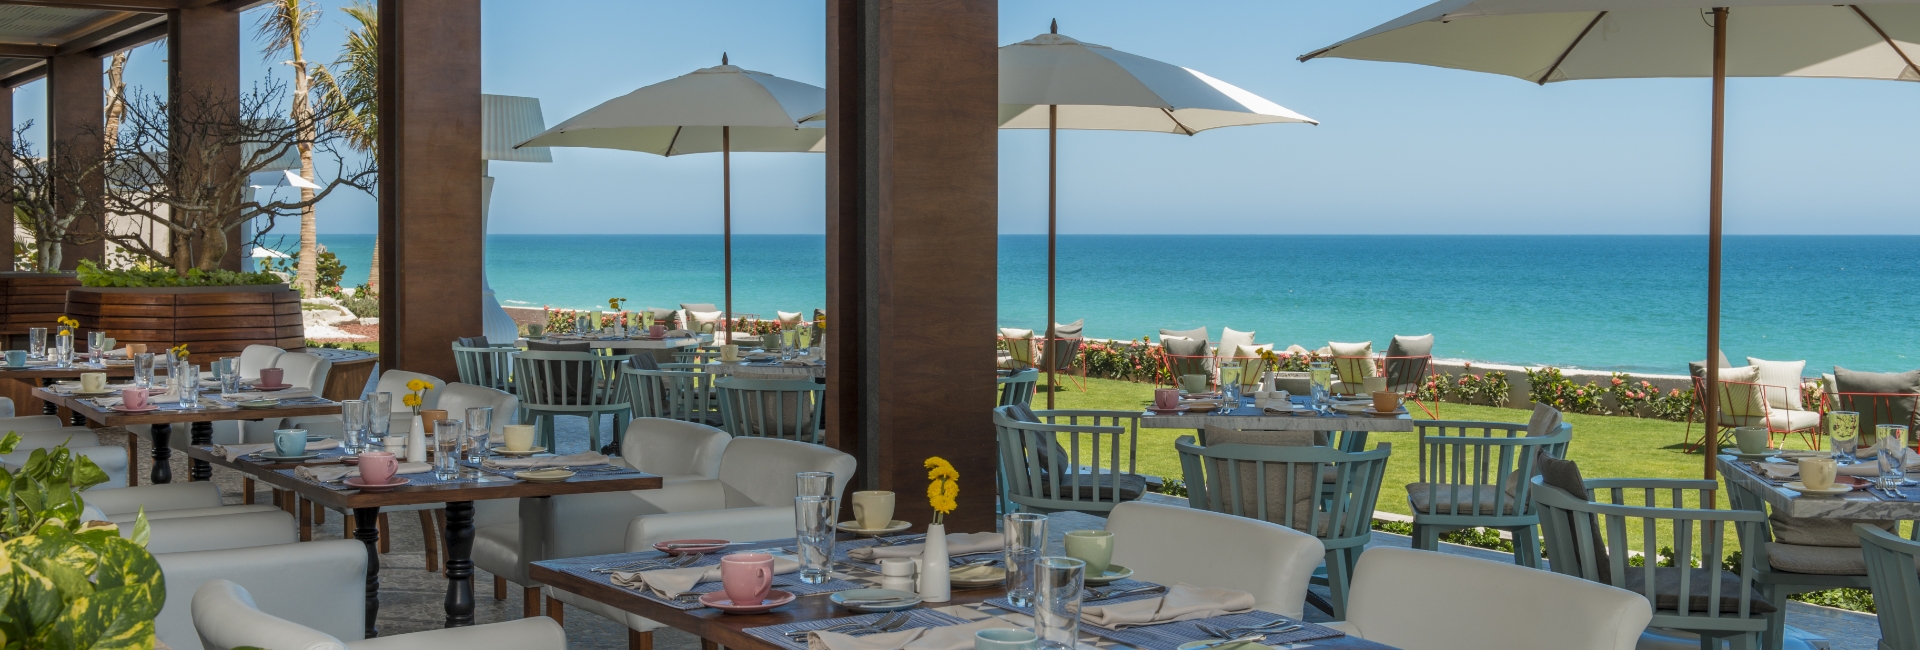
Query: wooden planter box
[[32, 300], [213, 322]]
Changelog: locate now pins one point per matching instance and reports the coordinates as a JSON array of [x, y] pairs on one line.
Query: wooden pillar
[[430, 169], [912, 88], [203, 58], [6, 205], [76, 114]]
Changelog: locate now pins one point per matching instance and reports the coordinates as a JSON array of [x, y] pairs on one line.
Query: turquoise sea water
[[1630, 303]]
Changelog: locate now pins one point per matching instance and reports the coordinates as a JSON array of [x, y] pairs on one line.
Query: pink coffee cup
[[657, 331], [134, 398], [1166, 398], [746, 577], [272, 376], [377, 467]]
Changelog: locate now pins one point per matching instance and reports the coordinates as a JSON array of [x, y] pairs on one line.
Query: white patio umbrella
[[723, 108], [1054, 82], [1546, 41]]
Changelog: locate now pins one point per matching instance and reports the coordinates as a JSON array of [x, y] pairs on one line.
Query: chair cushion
[[1740, 396], [1070, 330], [1199, 333], [1231, 340], [1545, 421], [1783, 380], [472, 342], [1409, 361], [1699, 368], [1024, 413], [1819, 560], [1306, 479], [1357, 366], [1817, 531], [1666, 585], [1410, 346], [1093, 486], [1470, 499], [1877, 409], [1188, 356], [536, 345], [1565, 475]]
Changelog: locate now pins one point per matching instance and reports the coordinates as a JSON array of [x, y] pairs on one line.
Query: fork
[[901, 539], [675, 563], [1106, 594], [1230, 632], [887, 622]]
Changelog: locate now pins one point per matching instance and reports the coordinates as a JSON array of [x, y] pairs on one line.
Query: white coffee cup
[[93, 382], [519, 437], [1817, 473]]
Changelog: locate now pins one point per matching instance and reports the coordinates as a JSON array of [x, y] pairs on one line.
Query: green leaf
[[7, 444], [55, 553], [86, 474], [126, 565], [35, 602], [142, 531]]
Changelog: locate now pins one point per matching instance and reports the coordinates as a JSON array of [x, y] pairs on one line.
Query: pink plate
[[149, 409], [705, 546], [356, 482], [718, 600]]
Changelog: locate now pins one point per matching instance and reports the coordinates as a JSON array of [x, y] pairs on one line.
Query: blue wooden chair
[[1896, 588], [1283, 485], [1691, 590], [1092, 472], [1017, 388], [490, 366], [789, 409], [676, 391], [1472, 475], [553, 384]]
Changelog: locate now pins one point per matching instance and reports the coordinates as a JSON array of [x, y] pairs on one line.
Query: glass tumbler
[[188, 375], [96, 346], [380, 418], [1026, 538], [353, 423], [479, 426], [1321, 373], [813, 484], [1843, 430], [230, 382], [143, 370], [813, 536], [63, 349], [1890, 444], [446, 452], [37, 342], [1058, 582]]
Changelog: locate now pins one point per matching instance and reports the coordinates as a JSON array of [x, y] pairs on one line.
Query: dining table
[[623, 342], [473, 482], [199, 419], [767, 368], [38, 374], [1242, 413], [1870, 503], [815, 608]]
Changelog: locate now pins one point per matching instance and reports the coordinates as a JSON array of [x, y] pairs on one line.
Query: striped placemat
[[1167, 636], [788, 582], [842, 547], [776, 634]]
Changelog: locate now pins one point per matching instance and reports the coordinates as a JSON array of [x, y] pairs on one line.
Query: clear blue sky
[[1401, 148]]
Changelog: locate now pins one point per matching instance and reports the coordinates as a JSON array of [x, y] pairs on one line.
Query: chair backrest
[[1411, 599], [1062, 352], [1094, 470], [1461, 459], [490, 366], [305, 370], [675, 391], [1285, 557], [1017, 388], [1284, 485], [255, 357], [226, 618], [1186, 356], [1896, 588], [759, 471], [395, 382], [699, 356], [568, 381], [1876, 409], [790, 409], [1408, 360], [664, 447], [1019, 346], [456, 398]]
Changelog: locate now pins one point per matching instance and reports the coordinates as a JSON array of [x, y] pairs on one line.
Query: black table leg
[[78, 420], [47, 407], [201, 434], [162, 436], [459, 563], [365, 530]]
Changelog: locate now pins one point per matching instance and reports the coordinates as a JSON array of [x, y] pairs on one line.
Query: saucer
[[854, 527], [507, 452], [1177, 409], [705, 546], [1114, 573], [1765, 454], [258, 403], [288, 459], [149, 409], [395, 482], [550, 475], [102, 393], [907, 600], [273, 387], [718, 600], [1838, 488], [978, 575]]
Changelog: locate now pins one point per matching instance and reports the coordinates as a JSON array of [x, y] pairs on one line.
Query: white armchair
[[255, 357], [752, 500], [456, 398], [1286, 557], [1423, 600], [391, 381], [675, 450], [24, 423], [226, 617], [166, 501]]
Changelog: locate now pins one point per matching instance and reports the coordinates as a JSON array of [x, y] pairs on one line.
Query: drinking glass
[[479, 425], [813, 536], [1321, 373], [230, 382], [143, 370], [188, 375], [37, 342], [353, 422], [813, 484], [1843, 429], [1890, 444], [380, 418], [96, 346], [1058, 582], [63, 349], [1026, 537], [446, 453]]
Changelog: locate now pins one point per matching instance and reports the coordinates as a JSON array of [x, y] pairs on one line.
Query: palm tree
[[283, 28], [354, 98]]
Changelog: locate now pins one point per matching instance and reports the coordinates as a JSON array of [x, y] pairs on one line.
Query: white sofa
[[1424, 600], [226, 616], [165, 501]]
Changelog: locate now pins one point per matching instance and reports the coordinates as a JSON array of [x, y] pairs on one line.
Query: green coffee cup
[[1094, 547]]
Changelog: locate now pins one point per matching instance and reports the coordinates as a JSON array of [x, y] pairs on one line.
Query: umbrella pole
[[1053, 140], [726, 225], [1711, 403]]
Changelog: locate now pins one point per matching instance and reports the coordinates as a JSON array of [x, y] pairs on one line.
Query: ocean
[[1625, 303]]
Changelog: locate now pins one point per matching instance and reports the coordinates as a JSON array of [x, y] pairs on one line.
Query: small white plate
[[550, 475], [507, 452], [1803, 489], [1765, 454], [854, 527]]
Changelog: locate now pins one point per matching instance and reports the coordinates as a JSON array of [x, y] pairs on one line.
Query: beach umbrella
[[1545, 41], [724, 108], [1055, 82]]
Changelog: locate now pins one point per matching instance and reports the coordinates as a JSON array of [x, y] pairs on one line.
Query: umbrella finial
[[1055, 29], [723, 58]]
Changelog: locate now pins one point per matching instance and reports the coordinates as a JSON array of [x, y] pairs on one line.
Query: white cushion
[[1420, 599], [1231, 340], [1357, 366], [1741, 399], [1195, 333], [1012, 333], [1286, 558], [1470, 499], [1782, 379]]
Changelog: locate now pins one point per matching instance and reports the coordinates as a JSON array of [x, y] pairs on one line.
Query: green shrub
[[363, 302], [91, 275]]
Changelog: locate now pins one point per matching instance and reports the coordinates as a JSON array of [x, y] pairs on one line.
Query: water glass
[[813, 536], [37, 342], [446, 453], [1843, 431], [63, 349], [143, 370], [380, 418], [230, 382], [1058, 582], [188, 375], [1321, 373], [96, 346], [479, 425], [813, 484], [353, 422], [1890, 444], [1026, 538]]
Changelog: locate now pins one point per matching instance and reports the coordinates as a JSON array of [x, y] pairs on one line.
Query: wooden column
[[203, 60], [430, 169], [912, 89], [76, 114], [6, 206]]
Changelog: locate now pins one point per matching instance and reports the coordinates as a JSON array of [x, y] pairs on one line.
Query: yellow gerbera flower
[[417, 385], [410, 400]]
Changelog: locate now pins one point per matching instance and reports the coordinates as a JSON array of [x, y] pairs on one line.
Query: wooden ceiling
[[32, 31]]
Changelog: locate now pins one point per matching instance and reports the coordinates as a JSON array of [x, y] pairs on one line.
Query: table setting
[[760, 580]]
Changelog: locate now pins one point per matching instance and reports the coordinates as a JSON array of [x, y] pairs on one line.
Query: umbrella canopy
[[1545, 41]]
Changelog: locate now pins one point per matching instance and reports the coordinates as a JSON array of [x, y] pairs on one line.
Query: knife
[[1250, 638]]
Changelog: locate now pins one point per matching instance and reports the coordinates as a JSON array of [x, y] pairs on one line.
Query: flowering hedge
[[1551, 387], [1135, 360], [1491, 388]]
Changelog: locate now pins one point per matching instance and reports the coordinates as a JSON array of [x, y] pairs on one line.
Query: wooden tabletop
[[207, 412], [50, 372], [582, 483]]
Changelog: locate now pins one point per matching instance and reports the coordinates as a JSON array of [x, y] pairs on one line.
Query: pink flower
[[1617, 382], [1581, 393]]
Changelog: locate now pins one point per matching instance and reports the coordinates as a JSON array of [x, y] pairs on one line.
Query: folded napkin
[[326, 473], [1182, 602], [235, 451], [576, 460], [670, 583], [957, 544], [951, 637]]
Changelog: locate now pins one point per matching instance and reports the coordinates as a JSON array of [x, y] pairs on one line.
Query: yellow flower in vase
[[943, 492], [413, 399]]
